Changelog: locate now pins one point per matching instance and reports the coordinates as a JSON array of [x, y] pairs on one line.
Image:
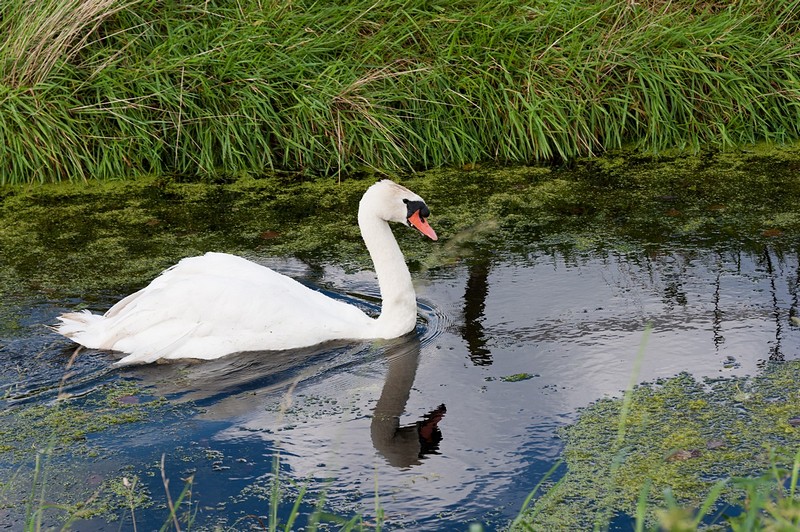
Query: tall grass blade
[[641, 506], [795, 475], [523, 517], [172, 519], [628, 396], [709, 502]]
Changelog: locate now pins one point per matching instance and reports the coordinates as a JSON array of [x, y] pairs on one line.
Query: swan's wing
[[205, 307]]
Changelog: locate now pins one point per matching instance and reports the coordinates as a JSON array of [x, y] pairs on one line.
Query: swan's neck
[[399, 307]]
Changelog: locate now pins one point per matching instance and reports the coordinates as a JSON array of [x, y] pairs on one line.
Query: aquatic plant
[[103, 89], [685, 454], [44, 440], [113, 237], [766, 502]]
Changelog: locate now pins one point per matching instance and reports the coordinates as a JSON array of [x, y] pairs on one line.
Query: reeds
[[200, 88], [40, 34]]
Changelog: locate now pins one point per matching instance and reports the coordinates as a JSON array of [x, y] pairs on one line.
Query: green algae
[[82, 240], [681, 437], [55, 450], [66, 426], [517, 377]]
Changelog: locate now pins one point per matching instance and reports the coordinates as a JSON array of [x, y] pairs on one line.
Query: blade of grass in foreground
[[524, 519]]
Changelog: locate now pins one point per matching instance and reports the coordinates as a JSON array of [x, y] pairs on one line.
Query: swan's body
[[209, 306]]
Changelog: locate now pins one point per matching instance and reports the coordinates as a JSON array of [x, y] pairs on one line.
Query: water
[[523, 321], [452, 424]]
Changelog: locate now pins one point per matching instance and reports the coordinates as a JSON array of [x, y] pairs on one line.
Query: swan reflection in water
[[233, 388], [403, 446]]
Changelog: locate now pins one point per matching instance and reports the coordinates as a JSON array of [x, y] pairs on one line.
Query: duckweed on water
[[679, 435], [87, 239], [55, 451], [70, 422], [517, 377]]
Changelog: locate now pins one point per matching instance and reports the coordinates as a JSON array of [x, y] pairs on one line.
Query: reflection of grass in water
[[683, 453]]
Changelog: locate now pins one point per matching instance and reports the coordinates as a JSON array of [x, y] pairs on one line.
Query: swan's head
[[395, 203]]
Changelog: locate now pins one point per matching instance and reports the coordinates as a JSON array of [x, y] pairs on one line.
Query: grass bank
[[108, 89]]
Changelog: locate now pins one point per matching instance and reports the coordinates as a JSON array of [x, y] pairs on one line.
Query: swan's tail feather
[[74, 324], [97, 331], [82, 327]]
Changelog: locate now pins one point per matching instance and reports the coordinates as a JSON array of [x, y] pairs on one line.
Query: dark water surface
[[453, 424]]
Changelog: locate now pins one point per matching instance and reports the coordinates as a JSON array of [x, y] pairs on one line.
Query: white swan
[[216, 304]]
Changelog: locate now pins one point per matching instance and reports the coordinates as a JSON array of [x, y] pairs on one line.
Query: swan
[[212, 305]]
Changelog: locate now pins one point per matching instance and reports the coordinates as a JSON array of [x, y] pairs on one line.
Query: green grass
[[107, 89], [767, 502]]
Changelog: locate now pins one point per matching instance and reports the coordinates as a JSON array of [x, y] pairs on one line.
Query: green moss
[[67, 423], [86, 239], [680, 435]]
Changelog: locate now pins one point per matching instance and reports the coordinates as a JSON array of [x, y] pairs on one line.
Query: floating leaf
[[517, 377], [684, 454]]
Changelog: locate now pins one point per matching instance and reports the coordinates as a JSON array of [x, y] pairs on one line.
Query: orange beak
[[417, 221]]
